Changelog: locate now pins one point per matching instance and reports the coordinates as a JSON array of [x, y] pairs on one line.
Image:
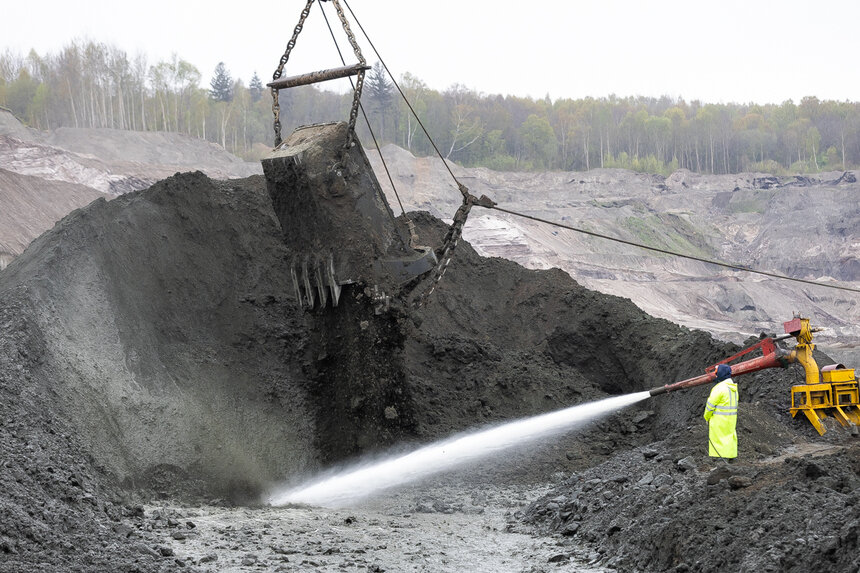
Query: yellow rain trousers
[[721, 412]]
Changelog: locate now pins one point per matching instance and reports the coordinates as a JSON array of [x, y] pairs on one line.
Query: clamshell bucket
[[336, 220]]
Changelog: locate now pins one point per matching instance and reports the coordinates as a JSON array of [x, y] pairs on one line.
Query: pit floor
[[447, 524]]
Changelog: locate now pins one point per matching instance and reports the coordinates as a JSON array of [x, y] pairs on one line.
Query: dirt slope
[[31, 206], [148, 303], [154, 334], [151, 348], [803, 226], [148, 155], [45, 173]]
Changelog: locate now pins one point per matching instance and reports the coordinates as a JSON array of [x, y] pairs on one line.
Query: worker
[[721, 413]]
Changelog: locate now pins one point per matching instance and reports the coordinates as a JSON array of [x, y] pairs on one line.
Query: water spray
[[362, 481]]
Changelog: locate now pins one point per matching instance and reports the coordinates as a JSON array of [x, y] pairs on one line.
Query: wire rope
[[363, 113], [464, 190], [668, 252]]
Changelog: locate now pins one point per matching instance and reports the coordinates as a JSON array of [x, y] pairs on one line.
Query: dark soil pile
[[653, 510], [500, 341], [152, 348], [788, 503], [150, 342]]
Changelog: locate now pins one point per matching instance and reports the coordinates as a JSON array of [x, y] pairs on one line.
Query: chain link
[[452, 237], [449, 243], [276, 105], [359, 80]]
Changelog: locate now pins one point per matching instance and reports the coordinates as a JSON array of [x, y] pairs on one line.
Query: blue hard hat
[[723, 371]]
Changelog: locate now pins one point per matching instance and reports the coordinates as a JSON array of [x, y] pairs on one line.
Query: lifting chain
[[359, 80], [452, 237], [359, 83], [276, 106]]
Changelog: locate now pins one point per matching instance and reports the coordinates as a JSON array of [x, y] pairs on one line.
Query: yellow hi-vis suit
[[721, 412]]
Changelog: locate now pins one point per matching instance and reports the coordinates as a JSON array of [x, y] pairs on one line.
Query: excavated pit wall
[[171, 337], [154, 341], [174, 345]]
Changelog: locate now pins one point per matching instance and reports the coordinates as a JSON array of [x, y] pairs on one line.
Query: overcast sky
[[727, 51]]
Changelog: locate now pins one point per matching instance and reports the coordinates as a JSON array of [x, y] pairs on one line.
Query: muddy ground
[[157, 375], [453, 525]]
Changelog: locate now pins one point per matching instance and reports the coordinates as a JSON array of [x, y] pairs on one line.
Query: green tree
[[160, 76], [464, 123], [659, 129], [538, 138], [255, 88], [221, 84], [20, 93], [564, 114], [678, 120], [37, 111], [584, 129], [380, 90], [416, 93]]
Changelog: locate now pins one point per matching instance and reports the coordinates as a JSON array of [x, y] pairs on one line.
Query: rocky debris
[[718, 474], [738, 482], [387, 535], [774, 182], [746, 515]]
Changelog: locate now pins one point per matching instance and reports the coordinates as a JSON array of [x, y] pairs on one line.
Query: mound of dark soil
[[788, 503], [149, 336], [152, 348]]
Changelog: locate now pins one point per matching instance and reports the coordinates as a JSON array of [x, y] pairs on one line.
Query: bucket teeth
[[296, 290], [314, 282], [306, 283], [321, 288], [330, 280]]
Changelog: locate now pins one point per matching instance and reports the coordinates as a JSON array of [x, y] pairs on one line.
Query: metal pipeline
[[689, 382], [772, 358]]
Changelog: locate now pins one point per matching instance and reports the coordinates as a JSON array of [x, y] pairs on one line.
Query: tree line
[[91, 84]]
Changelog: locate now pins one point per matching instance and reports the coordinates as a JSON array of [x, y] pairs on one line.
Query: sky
[[714, 51]]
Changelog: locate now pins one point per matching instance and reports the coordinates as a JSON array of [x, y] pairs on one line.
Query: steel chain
[[276, 105], [452, 237], [359, 80], [449, 243]]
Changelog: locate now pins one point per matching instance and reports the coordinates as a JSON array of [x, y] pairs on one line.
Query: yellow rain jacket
[[721, 412]]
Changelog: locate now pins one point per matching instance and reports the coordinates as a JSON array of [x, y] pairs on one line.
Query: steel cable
[[367, 121], [668, 252], [460, 186], [464, 190]]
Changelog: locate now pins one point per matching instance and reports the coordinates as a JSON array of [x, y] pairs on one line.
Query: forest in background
[[91, 84]]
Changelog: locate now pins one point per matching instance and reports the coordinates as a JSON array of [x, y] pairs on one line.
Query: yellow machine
[[831, 391]]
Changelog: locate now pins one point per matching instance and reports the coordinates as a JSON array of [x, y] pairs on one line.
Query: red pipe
[[772, 359]]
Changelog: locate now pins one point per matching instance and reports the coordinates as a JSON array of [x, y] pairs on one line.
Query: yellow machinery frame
[[831, 391]]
